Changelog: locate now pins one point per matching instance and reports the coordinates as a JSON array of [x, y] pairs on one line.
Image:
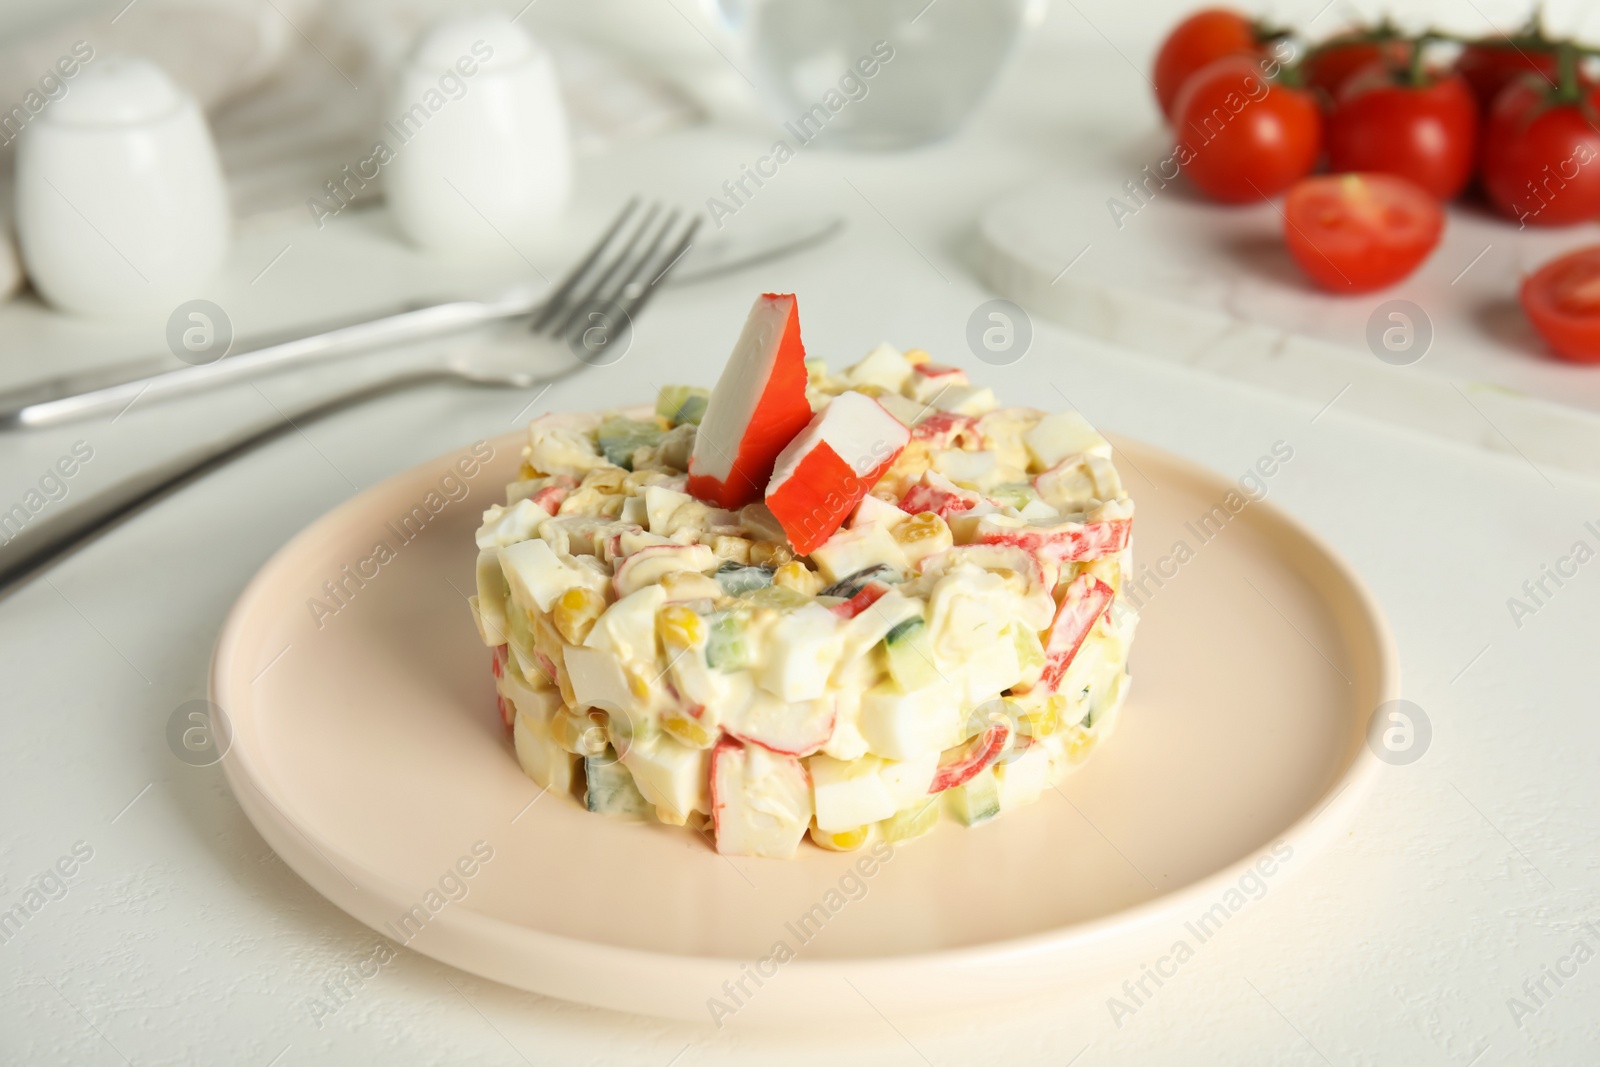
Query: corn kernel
[[869, 389], [926, 526], [681, 627], [689, 585], [917, 356], [575, 613], [1080, 743], [669, 817], [604, 479], [638, 684], [907, 469], [687, 730], [1107, 568], [841, 840], [1040, 723], [769, 554], [732, 549], [582, 735], [797, 576], [635, 481]]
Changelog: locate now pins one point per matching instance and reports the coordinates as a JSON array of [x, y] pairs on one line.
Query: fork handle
[[65, 399]]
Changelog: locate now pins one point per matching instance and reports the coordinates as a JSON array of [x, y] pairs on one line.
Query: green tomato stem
[[1418, 75], [1567, 89]]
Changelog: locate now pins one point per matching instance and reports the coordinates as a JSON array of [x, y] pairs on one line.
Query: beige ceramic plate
[[368, 752]]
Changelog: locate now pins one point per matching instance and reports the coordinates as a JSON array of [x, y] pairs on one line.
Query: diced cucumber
[[737, 579], [619, 437], [777, 597], [692, 410], [851, 584], [1030, 651], [1018, 494], [726, 649], [682, 403], [914, 821], [519, 636], [909, 652], [608, 787], [977, 799]]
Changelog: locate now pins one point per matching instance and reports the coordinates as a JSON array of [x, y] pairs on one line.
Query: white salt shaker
[[121, 204], [478, 137]]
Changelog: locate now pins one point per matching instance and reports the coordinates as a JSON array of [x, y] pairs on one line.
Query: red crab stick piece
[[1067, 543], [960, 764], [823, 474], [939, 495], [756, 409], [945, 429], [870, 594], [1087, 598]]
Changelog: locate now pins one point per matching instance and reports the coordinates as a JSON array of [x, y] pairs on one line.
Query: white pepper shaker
[[121, 204], [478, 136]]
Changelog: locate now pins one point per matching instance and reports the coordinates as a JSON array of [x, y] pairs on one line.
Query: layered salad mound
[[807, 604]]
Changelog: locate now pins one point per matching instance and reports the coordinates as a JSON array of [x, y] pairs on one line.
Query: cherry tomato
[[1356, 232], [1489, 68], [1242, 137], [1330, 67], [1562, 300], [1195, 42], [1540, 157], [1426, 134]]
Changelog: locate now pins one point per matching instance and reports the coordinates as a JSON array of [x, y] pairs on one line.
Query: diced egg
[[903, 726], [538, 576], [670, 775], [563, 451], [1022, 779], [761, 802], [908, 780], [1063, 434], [849, 794], [966, 400], [884, 366], [627, 629], [849, 551], [508, 525], [965, 468], [489, 607], [801, 650]]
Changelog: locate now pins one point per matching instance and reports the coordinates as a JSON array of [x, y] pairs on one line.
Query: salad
[[805, 604]]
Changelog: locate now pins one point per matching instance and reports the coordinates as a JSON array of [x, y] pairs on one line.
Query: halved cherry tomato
[[1562, 300], [1427, 134], [1352, 233], [1242, 137], [1195, 42], [1541, 157], [1489, 68], [1327, 69]]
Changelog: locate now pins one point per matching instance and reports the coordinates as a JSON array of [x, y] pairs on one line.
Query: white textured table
[[183, 939]]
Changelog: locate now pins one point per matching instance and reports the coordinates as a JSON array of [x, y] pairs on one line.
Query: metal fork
[[586, 321], [612, 282]]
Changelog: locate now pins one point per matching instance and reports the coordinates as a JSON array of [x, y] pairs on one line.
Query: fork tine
[[632, 306], [645, 259], [554, 303], [576, 305]]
